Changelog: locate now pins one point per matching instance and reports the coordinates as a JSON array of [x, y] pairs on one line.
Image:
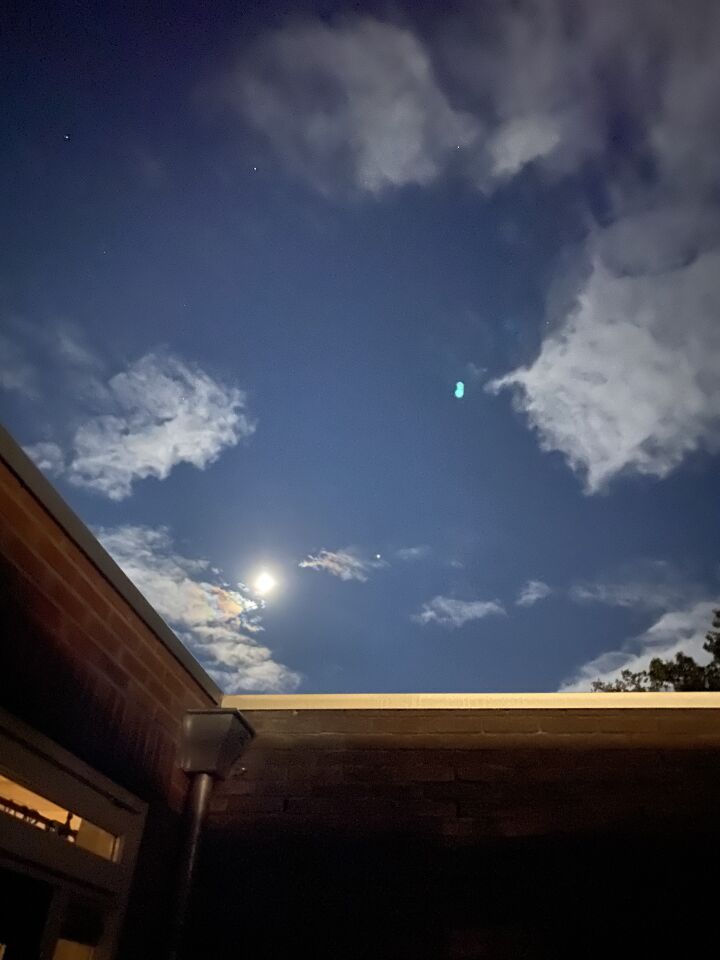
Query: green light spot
[[459, 389]]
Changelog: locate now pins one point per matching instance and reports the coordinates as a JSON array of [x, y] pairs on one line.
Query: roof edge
[[12, 454], [472, 701]]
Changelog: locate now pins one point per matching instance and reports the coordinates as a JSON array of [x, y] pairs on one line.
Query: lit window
[[23, 804], [70, 950]]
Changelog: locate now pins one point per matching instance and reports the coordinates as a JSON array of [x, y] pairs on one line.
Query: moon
[[264, 583]]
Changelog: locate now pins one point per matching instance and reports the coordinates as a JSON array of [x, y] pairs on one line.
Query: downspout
[[212, 741]]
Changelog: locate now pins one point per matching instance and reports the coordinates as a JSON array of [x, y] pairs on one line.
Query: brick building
[[87, 664], [428, 826]]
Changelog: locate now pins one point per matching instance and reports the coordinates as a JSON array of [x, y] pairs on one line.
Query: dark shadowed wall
[[79, 664], [464, 834]]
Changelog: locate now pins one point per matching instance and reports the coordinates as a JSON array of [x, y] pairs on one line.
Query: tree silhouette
[[680, 674]]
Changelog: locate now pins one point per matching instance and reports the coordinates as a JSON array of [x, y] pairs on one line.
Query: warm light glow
[[265, 583]]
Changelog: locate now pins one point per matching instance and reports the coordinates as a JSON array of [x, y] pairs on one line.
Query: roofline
[[31, 477], [473, 701]]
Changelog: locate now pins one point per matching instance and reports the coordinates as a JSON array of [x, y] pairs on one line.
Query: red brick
[[23, 558], [156, 689], [135, 667], [101, 636], [24, 525], [510, 722], [174, 685], [110, 667]]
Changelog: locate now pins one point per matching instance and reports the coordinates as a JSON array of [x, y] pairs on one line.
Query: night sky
[[250, 250]]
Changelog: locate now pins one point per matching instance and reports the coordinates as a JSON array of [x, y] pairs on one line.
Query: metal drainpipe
[[197, 804], [212, 741]]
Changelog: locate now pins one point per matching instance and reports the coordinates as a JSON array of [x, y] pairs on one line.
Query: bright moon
[[265, 583]]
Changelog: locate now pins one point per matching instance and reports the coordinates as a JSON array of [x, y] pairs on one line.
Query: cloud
[[48, 457], [533, 591], [535, 75], [32, 354], [16, 373], [67, 341], [158, 413], [364, 100], [141, 422], [627, 380], [413, 553], [520, 141], [359, 101], [681, 606], [452, 613], [685, 124], [213, 619], [346, 564], [682, 630], [658, 587], [630, 381], [353, 104]]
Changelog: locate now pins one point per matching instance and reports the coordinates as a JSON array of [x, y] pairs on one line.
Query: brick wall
[[473, 773], [80, 665], [462, 833]]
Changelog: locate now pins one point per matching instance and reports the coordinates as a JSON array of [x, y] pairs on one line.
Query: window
[[32, 808], [71, 950]]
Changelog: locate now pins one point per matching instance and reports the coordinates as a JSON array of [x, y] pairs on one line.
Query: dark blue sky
[[249, 251]]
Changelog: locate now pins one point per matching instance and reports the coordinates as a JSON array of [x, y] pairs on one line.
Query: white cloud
[[676, 631], [449, 612], [346, 564], [48, 457], [628, 376], [68, 342], [353, 104], [160, 412], [533, 591], [630, 381], [359, 99], [358, 102], [157, 413], [684, 616], [519, 141], [685, 121], [654, 586], [212, 618], [627, 379], [413, 553]]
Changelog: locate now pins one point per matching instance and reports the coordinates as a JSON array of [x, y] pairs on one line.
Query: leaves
[[682, 674]]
